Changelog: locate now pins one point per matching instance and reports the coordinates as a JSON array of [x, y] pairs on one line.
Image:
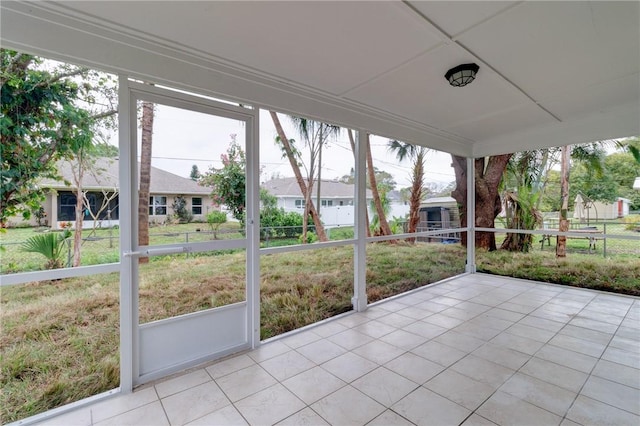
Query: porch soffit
[[551, 73]]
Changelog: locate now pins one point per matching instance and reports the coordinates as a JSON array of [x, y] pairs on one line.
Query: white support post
[[253, 231], [471, 216], [128, 308], [359, 299]]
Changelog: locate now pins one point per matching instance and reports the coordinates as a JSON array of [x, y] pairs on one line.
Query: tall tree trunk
[[353, 149], [384, 225], [322, 236], [319, 195], [77, 233], [145, 176], [542, 177], [488, 173], [563, 225], [417, 185]]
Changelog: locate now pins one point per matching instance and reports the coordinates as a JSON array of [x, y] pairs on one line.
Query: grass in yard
[[59, 343], [175, 285], [301, 288], [60, 339], [620, 274], [102, 246], [395, 268]]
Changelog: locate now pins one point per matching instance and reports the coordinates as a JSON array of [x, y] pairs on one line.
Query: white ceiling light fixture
[[462, 75]]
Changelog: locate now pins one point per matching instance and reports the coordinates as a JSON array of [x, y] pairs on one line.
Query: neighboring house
[[596, 210], [336, 199], [101, 185]]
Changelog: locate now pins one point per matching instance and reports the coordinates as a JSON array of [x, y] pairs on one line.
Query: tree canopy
[[384, 179], [49, 110], [229, 182]]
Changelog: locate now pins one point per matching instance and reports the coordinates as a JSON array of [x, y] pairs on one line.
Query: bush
[[311, 238], [180, 211], [276, 223], [216, 218], [51, 245], [632, 222]]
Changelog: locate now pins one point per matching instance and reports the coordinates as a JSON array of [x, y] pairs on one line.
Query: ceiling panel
[[548, 48], [330, 46], [596, 98], [503, 123], [454, 17], [419, 91], [372, 65]]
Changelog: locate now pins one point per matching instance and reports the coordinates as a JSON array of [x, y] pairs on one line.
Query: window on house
[[342, 203], [299, 204], [67, 206], [196, 205], [157, 205], [327, 203]]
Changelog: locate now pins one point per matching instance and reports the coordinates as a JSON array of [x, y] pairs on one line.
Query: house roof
[[105, 176], [438, 201], [551, 73], [288, 187]]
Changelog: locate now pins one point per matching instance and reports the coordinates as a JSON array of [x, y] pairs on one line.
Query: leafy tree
[[48, 110], [592, 185], [383, 178], [105, 150], [622, 169], [315, 134], [195, 173], [550, 198], [293, 155], [228, 183], [488, 173]]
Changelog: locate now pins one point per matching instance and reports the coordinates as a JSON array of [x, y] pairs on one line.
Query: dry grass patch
[[619, 274]]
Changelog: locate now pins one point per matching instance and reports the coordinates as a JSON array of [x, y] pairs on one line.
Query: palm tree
[[50, 245], [145, 176], [417, 154], [525, 174]]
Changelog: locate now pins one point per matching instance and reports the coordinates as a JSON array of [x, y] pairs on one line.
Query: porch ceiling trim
[[551, 73]]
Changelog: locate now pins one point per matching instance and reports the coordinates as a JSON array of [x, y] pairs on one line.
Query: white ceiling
[[551, 73]]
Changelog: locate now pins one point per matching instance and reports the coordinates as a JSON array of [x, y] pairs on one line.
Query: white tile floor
[[476, 350]]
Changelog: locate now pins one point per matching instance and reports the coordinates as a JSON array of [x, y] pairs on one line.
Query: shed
[[597, 210], [439, 213]]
